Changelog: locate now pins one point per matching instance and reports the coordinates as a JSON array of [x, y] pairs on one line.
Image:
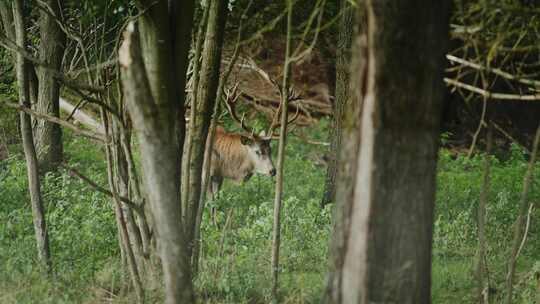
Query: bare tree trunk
[[207, 92], [518, 225], [342, 97], [48, 136], [125, 235], [276, 235], [38, 210], [481, 266], [154, 94], [387, 249]]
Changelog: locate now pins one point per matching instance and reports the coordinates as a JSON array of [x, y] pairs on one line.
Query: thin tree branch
[[491, 95], [499, 72], [75, 173], [10, 45]]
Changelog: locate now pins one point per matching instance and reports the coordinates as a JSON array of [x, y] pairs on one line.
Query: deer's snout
[[273, 172]]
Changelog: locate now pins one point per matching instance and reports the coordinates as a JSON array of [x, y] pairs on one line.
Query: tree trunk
[[346, 173], [116, 175], [387, 249], [154, 94], [38, 210], [481, 262], [276, 234], [48, 136], [206, 97], [342, 97]]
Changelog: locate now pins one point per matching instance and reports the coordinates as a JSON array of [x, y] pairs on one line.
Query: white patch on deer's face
[[260, 154]]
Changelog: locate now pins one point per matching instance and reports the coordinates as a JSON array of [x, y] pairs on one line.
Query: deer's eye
[[258, 152]]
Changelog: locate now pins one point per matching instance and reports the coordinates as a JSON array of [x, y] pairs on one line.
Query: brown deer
[[238, 156]]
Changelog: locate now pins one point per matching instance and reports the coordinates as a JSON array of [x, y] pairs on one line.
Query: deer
[[238, 156]]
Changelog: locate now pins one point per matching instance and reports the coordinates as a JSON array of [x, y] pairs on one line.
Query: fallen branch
[[56, 120], [81, 116]]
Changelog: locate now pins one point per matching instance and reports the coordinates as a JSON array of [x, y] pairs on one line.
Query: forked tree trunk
[[48, 136], [387, 249], [342, 97], [38, 212], [153, 65], [205, 99]]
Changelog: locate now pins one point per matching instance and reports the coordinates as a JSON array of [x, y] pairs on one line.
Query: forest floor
[[85, 248]]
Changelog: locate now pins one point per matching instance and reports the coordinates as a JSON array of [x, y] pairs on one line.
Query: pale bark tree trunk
[[205, 99], [276, 234], [387, 246], [154, 94], [48, 136], [342, 97], [38, 210]]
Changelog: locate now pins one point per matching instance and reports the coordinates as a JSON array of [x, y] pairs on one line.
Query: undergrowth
[[235, 264]]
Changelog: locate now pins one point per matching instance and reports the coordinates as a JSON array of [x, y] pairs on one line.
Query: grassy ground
[[85, 248]]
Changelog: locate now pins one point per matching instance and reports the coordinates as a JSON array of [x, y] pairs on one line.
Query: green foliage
[[455, 239], [237, 269], [81, 229]]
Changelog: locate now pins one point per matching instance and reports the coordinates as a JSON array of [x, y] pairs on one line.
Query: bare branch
[[499, 72], [10, 45], [490, 95]]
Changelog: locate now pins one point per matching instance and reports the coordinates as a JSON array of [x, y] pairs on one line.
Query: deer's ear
[[246, 141]]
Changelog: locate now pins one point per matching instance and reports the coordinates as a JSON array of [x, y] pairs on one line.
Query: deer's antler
[[231, 98]]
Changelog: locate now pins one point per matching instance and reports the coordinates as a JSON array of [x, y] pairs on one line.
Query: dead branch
[[90, 134], [499, 72], [491, 95]]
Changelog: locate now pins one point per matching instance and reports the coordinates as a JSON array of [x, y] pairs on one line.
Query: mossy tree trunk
[[205, 100], [342, 97], [386, 250], [47, 135], [38, 210]]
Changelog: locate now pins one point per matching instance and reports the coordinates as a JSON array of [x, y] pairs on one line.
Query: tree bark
[[48, 136], [206, 98], [38, 210], [346, 171], [154, 94], [342, 97], [387, 248]]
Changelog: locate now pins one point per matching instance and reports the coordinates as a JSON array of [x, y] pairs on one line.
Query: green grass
[[86, 256]]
